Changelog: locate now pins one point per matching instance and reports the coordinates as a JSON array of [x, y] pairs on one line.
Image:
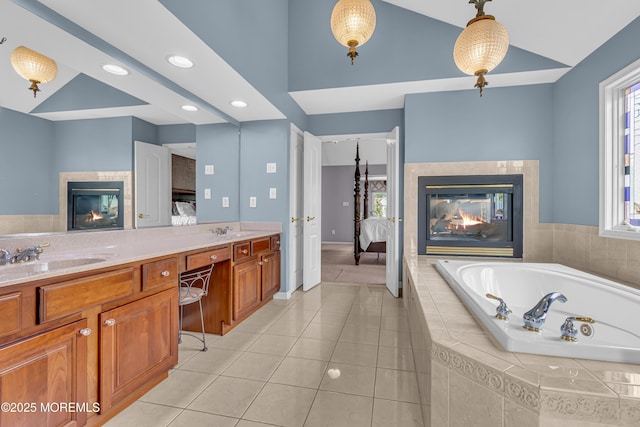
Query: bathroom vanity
[[80, 343]]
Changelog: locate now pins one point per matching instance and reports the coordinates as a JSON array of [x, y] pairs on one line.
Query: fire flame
[[468, 220], [91, 217]]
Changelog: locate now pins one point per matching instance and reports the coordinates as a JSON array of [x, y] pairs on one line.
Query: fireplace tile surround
[[464, 376]]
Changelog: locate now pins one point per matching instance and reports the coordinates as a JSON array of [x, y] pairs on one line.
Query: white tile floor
[[272, 368]]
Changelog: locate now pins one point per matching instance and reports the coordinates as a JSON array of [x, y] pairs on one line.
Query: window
[[379, 205], [619, 144]]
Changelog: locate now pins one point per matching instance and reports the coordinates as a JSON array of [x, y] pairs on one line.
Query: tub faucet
[[534, 318]]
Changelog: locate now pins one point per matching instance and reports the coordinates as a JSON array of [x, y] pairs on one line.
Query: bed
[[370, 233], [183, 213]]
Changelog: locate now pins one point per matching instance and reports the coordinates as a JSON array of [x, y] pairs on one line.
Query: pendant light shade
[[481, 46], [33, 66], [353, 23]]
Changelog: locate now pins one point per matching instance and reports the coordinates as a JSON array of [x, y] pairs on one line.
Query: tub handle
[[570, 333], [502, 311]]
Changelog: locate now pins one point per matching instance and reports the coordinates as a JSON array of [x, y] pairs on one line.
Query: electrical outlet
[[272, 193], [225, 202], [271, 168], [252, 202], [207, 193], [208, 169], [345, 203], [333, 231]]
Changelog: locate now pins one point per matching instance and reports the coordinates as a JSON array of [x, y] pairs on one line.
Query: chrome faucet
[[5, 257], [534, 318], [22, 255], [222, 231]]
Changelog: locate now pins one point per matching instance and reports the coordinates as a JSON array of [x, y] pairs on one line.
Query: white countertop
[[68, 252]]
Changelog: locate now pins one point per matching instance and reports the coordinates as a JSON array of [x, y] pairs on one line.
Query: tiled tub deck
[[466, 379]]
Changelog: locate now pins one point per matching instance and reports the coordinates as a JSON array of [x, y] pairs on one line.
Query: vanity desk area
[[90, 327]]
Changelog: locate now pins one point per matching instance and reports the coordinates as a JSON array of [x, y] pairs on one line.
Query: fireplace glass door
[[470, 217], [95, 205], [476, 215]]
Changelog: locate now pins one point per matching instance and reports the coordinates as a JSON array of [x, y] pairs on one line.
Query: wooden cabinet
[[256, 274], [43, 371], [137, 342], [270, 274], [247, 293]]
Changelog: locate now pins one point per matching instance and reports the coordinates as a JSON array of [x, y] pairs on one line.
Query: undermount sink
[[16, 271]]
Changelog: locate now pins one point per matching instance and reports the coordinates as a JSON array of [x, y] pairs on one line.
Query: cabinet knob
[[266, 260], [110, 322], [244, 251], [85, 331], [259, 263], [213, 257], [165, 273], [277, 242]]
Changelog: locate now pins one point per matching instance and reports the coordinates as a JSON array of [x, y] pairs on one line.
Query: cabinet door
[[246, 288], [270, 274], [138, 342], [42, 372]]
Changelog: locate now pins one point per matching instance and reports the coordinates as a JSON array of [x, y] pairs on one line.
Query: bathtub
[[615, 335]]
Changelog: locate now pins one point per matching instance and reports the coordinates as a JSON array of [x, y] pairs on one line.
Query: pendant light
[[481, 46], [353, 23], [33, 66]]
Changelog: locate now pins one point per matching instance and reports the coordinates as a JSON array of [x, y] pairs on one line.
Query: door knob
[[140, 216], [310, 218], [295, 219]]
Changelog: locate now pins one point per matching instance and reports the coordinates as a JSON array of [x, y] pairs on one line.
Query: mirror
[[39, 156]]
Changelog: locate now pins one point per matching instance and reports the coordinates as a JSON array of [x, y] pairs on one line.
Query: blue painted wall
[[504, 124], [172, 134], [263, 142], [576, 151], [26, 169], [218, 145]]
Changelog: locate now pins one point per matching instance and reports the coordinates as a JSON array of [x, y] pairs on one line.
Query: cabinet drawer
[[207, 257], [10, 313], [62, 299], [159, 273], [260, 245], [241, 250], [275, 242]]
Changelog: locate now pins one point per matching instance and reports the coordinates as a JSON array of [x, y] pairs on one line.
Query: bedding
[[183, 213], [373, 230]]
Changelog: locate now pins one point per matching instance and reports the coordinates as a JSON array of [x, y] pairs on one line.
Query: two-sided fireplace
[[95, 205], [479, 215]]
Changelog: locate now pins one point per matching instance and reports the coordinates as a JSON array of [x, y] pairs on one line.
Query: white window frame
[[612, 110]]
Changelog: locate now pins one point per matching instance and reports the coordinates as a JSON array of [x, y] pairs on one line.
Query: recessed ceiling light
[[115, 69], [189, 108], [180, 61], [239, 104]]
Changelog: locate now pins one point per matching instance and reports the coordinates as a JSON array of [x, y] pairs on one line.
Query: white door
[[311, 269], [152, 185], [296, 209], [393, 209]]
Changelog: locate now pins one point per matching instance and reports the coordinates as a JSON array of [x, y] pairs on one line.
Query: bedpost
[[356, 207], [365, 206]]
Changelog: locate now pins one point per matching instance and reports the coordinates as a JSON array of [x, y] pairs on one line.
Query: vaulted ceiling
[[409, 53]]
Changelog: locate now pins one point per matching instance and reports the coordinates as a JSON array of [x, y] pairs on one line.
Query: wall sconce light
[[481, 46], [33, 66], [353, 23]]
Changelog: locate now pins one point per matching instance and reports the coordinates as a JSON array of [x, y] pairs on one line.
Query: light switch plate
[[252, 202], [272, 193], [271, 168], [225, 202], [208, 169], [345, 203], [207, 193]]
